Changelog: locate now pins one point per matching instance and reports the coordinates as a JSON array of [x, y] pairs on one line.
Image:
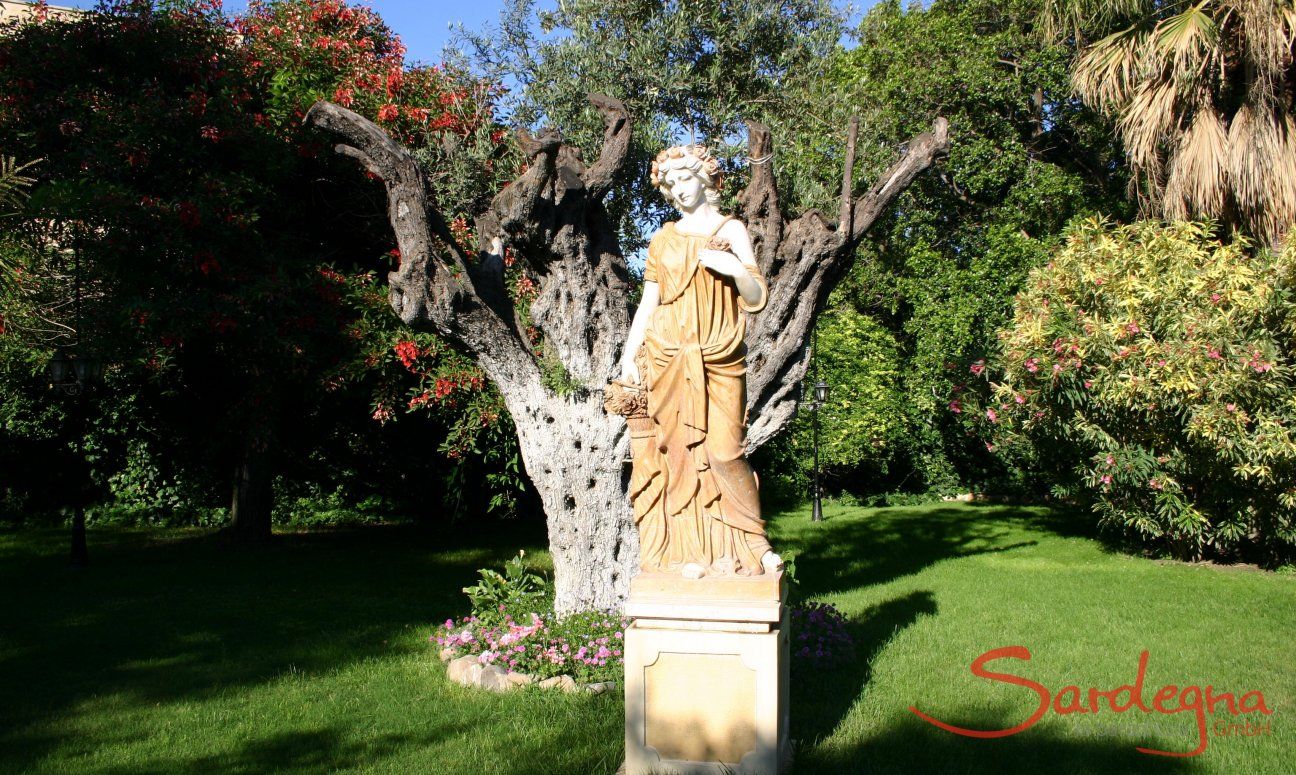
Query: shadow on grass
[[845, 553], [910, 745], [152, 621], [320, 750], [822, 698]]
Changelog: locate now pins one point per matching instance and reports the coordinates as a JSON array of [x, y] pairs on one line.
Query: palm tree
[[13, 192], [1202, 98]]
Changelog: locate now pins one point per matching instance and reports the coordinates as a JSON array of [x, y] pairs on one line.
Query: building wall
[[12, 9]]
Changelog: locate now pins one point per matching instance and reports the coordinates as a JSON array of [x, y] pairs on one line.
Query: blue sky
[[424, 25]]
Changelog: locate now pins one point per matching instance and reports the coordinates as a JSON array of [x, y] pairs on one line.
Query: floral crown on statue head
[[694, 157]]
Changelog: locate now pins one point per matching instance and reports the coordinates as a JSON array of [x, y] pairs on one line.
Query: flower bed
[[587, 646]]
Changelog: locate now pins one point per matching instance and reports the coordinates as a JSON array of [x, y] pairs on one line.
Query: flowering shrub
[[505, 629], [1155, 363], [588, 646], [819, 635], [327, 49]]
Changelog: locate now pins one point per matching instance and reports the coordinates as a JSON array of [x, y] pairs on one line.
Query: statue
[[683, 384]]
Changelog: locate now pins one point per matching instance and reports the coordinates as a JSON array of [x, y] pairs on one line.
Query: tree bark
[[553, 218], [253, 494]]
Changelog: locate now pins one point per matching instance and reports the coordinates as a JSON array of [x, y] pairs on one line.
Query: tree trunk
[[575, 454], [552, 216], [253, 494]]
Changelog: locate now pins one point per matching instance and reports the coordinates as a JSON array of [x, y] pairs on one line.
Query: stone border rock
[[467, 671]]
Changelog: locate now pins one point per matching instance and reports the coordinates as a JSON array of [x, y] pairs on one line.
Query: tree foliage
[[223, 261], [681, 69], [939, 275]]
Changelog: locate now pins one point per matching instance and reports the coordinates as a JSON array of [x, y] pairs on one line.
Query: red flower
[[388, 112], [408, 352]]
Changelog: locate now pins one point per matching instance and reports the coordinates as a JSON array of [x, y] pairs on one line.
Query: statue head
[[696, 159]]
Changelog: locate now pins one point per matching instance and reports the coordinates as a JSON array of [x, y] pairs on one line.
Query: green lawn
[[174, 654]]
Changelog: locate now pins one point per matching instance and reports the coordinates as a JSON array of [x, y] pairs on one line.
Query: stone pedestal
[[706, 666]]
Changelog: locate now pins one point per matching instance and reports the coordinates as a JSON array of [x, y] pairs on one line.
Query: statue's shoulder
[[731, 225], [666, 231], [733, 230]]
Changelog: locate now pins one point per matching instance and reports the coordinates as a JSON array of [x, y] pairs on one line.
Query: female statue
[[695, 496]]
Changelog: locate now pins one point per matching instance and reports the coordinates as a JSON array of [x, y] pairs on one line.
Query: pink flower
[[1032, 365], [977, 367], [1214, 355], [1019, 398], [1132, 328], [956, 406], [1106, 479], [1231, 407]]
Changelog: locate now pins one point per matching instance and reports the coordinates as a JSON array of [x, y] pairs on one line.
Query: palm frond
[[1107, 74], [1267, 49], [13, 183], [1145, 123], [13, 193], [1262, 169], [1070, 18], [1287, 21], [1197, 183], [1189, 42]]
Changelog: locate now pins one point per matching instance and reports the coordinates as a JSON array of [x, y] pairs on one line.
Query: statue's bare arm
[[638, 328]]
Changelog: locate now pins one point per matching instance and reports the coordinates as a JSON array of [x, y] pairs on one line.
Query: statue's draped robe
[[695, 496]]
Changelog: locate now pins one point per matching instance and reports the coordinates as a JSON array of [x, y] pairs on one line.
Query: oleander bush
[[1152, 365]]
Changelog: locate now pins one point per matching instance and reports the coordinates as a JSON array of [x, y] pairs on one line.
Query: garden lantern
[[60, 369]]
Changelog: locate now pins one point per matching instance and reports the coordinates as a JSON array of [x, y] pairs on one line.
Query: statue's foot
[[771, 562], [692, 570], [725, 566]]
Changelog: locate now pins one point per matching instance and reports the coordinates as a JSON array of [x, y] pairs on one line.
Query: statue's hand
[[629, 372], [721, 262]]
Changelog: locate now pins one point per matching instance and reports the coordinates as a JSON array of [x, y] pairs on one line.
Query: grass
[[175, 654]]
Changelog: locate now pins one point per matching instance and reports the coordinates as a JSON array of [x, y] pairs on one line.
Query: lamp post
[[820, 397]]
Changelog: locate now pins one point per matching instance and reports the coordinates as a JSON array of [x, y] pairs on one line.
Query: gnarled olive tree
[[552, 216]]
